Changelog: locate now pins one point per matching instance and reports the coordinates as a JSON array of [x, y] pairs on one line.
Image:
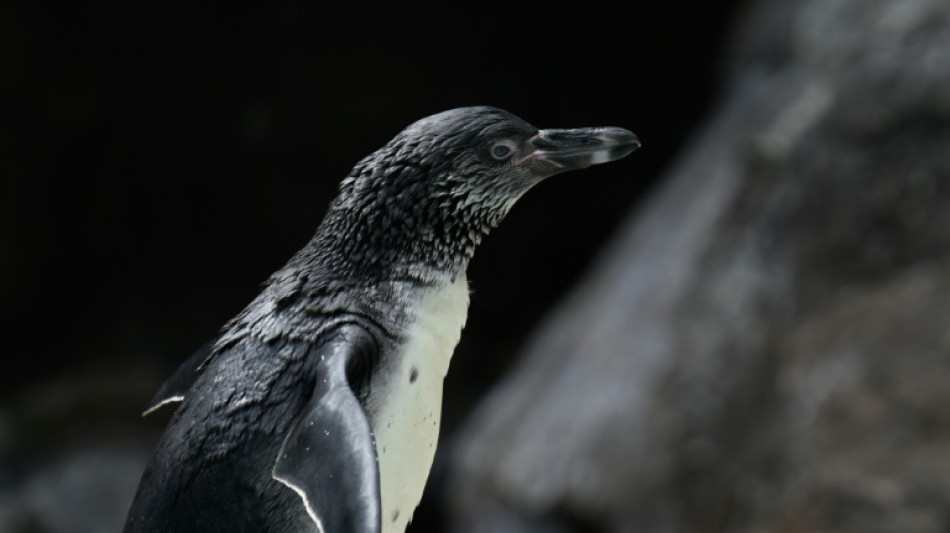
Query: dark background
[[158, 162]]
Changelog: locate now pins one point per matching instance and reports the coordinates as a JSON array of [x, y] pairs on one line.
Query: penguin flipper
[[329, 456], [180, 382]]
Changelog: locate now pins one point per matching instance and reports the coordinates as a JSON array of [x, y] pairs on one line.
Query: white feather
[[406, 402]]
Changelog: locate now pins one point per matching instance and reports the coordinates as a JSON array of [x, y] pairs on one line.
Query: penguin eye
[[502, 150]]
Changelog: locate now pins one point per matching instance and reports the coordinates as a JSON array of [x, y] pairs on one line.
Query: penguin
[[317, 407]]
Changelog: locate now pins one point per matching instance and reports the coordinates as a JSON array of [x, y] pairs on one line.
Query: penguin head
[[446, 180], [479, 162], [475, 162]]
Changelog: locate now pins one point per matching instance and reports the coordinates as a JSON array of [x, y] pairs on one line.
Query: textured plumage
[[317, 407]]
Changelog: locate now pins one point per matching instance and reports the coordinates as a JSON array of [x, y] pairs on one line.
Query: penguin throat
[[400, 241]]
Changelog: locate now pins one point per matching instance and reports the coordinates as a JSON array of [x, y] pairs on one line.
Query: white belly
[[407, 401]]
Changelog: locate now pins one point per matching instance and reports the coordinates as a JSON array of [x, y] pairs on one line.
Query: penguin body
[[317, 408]]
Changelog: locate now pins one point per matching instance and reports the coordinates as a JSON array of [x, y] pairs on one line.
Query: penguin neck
[[375, 247]]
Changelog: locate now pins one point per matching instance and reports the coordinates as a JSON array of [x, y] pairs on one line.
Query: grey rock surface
[[765, 346], [69, 460], [84, 491]]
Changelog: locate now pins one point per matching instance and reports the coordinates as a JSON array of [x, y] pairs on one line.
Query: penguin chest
[[406, 403]]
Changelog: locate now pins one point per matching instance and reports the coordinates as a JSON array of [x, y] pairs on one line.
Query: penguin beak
[[582, 147]]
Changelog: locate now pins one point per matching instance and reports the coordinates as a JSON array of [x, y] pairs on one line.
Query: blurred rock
[[766, 346], [72, 449], [86, 491]]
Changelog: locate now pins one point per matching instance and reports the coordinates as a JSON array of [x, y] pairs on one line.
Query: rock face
[[87, 490], [765, 346]]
